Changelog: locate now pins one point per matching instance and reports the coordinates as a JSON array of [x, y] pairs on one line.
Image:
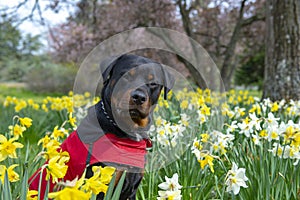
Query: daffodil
[[69, 193], [98, 182], [8, 147], [204, 137], [17, 130], [44, 141], [27, 122], [171, 188], [169, 195], [170, 183], [52, 150], [235, 179], [57, 168], [72, 119], [20, 105], [58, 133], [275, 107], [106, 173], [207, 159], [32, 195], [12, 175]]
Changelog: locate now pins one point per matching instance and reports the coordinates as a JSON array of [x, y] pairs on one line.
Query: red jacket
[[108, 148]]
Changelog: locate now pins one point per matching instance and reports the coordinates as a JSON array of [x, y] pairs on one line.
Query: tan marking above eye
[[150, 77], [132, 72]]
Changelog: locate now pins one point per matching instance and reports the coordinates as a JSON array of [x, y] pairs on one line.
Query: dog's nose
[[138, 97]]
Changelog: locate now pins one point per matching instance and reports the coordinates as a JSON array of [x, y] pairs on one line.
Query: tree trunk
[[282, 69]]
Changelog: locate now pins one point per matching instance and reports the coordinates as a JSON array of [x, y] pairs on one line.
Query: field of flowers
[[205, 146]]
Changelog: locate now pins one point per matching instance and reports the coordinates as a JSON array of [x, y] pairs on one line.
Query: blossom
[[231, 128], [72, 120], [8, 147], [57, 168], [204, 137], [69, 193], [170, 183], [255, 121], [206, 159], [27, 122], [169, 195], [246, 127], [235, 179], [17, 130], [32, 195], [171, 189], [12, 175], [58, 133], [98, 182]]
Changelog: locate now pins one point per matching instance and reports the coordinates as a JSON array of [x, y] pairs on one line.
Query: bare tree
[[219, 26], [282, 71]]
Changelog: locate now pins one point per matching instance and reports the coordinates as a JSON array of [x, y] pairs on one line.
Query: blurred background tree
[[233, 32], [16, 51], [282, 71]]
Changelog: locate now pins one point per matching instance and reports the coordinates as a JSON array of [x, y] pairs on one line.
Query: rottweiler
[[114, 132]]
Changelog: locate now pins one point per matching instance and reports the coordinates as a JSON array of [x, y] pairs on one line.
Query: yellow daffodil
[[45, 108], [8, 147], [57, 168], [205, 110], [44, 141], [99, 181], [27, 122], [263, 133], [12, 175], [69, 193], [275, 107], [72, 119], [106, 173], [58, 133], [20, 105], [184, 104], [17, 130], [296, 139], [94, 185], [204, 137], [207, 160], [32, 195], [2, 173]]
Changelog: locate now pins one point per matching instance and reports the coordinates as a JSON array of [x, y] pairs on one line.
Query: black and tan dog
[[114, 132]]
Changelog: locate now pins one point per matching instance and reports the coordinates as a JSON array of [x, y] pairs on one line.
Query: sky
[[33, 27]]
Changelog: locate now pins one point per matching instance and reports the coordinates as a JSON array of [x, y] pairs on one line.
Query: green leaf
[[24, 185], [118, 190], [6, 188], [110, 190]]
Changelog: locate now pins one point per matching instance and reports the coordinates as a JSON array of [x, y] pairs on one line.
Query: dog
[[114, 132]]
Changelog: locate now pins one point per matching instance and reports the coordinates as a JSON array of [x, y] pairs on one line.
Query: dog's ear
[[168, 81], [106, 67]]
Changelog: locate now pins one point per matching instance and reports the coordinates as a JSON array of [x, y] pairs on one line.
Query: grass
[[21, 91]]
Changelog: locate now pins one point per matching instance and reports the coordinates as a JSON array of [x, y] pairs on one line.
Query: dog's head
[[131, 87]]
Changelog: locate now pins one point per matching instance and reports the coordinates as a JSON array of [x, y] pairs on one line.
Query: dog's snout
[[138, 97]]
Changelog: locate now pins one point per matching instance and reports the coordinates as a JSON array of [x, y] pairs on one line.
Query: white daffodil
[[235, 179], [166, 195], [256, 139], [271, 120], [171, 189], [232, 127], [246, 128], [171, 184], [255, 121]]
